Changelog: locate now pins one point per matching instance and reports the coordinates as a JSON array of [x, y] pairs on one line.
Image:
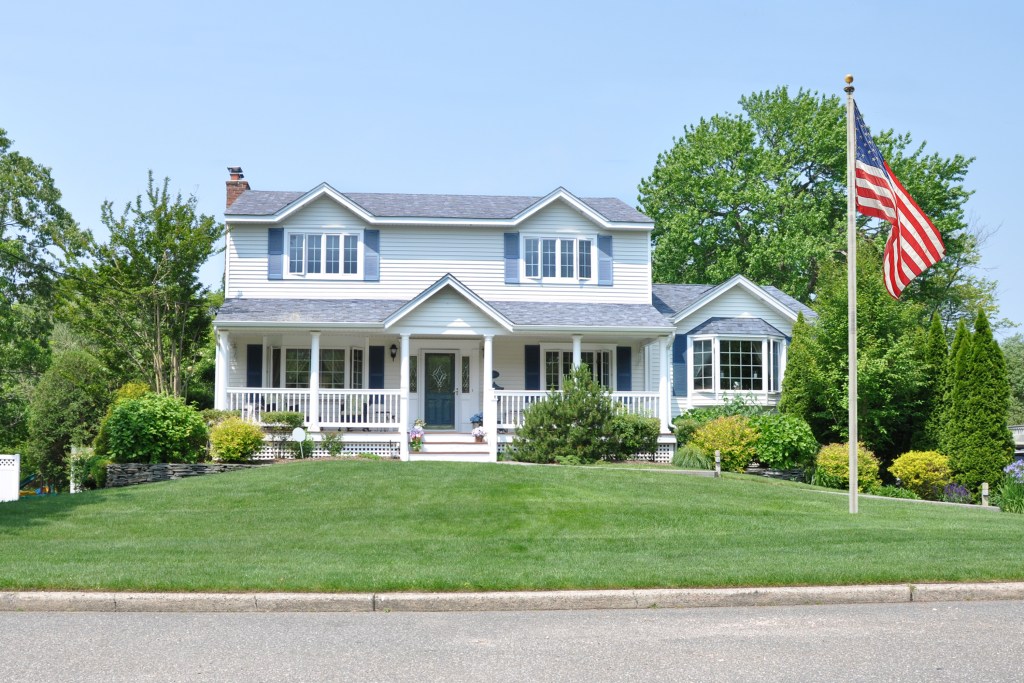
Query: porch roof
[[527, 315]]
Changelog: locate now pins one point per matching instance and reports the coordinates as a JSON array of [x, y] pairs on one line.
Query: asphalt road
[[980, 641]]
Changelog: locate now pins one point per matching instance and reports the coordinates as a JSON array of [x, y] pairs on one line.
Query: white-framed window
[[340, 368], [561, 259], [734, 364], [558, 364], [326, 253]]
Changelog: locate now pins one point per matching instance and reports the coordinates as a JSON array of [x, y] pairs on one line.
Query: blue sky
[[486, 98]]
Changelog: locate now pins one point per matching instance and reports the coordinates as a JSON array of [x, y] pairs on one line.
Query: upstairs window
[[558, 259], [318, 253]]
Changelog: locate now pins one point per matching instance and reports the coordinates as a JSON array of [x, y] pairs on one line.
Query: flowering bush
[[476, 417], [1015, 471]]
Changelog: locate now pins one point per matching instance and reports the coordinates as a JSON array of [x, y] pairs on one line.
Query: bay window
[[744, 365]]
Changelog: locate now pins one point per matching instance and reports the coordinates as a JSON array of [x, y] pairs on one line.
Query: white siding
[[413, 257], [448, 312], [737, 303]]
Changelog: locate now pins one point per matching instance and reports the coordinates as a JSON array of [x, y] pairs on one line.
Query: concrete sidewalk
[[47, 601]]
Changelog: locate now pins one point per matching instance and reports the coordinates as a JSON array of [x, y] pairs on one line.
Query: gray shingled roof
[[374, 311], [388, 205], [371, 311], [670, 299], [744, 326], [581, 315]]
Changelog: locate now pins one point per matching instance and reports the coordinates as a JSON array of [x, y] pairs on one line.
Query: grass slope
[[383, 526]]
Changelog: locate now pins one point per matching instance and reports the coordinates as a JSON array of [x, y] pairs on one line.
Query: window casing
[[331, 254], [560, 259]]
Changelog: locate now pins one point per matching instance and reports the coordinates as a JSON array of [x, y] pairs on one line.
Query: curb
[[673, 598]]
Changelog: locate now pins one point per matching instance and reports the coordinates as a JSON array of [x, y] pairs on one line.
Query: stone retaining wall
[[129, 473]]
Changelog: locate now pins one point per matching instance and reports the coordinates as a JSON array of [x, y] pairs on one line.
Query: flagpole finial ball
[[848, 79]]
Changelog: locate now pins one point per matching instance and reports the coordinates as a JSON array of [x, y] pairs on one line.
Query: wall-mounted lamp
[[394, 352]]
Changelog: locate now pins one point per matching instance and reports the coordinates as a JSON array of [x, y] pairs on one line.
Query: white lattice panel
[[10, 472]]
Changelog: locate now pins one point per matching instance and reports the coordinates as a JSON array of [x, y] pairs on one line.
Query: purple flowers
[[1015, 471], [955, 493]]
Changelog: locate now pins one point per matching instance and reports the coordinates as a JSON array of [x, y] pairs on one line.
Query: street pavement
[[936, 641]]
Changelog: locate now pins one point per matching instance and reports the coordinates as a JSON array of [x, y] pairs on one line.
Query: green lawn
[[386, 526]]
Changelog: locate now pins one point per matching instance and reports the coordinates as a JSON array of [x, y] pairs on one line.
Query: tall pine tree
[[936, 359]]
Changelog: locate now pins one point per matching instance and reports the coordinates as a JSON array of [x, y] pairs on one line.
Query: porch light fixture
[[394, 352]]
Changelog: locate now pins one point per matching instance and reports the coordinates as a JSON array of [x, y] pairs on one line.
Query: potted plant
[[479, 434], [477, 420], [416, 436]]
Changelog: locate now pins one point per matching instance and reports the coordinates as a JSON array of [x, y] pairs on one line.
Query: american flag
[[914, 243]]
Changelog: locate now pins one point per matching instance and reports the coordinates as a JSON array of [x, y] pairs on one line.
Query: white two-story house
[[367, 312]]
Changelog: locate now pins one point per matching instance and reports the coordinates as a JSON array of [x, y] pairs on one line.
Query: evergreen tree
[[983, 445], [801, 383], [951, 400], [936, 358]]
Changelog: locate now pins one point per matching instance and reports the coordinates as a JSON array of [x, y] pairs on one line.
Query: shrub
[[926, 473], [301, 449], [634, 434], [235, 440], [686, 424], [155, 428], [689, 457], [86, 469], [333, 443], [67, 405], [894, 492], [832, 468], [212, 416], [287, 418], [576, 425], [784, 441], [128, 391], [733, 436]]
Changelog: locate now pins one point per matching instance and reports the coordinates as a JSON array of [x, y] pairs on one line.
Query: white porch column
[[314, 382], [577, 355], [403, 400], [664, 392], [490, 406], [222, 365]]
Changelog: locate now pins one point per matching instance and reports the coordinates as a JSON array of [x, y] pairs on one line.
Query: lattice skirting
[[385, 449]]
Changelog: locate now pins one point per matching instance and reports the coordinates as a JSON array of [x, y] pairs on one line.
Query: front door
[[439, 410]]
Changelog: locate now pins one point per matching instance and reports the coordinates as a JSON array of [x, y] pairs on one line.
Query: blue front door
[[439, 377]]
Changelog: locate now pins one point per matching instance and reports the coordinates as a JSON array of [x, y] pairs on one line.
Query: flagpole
[[851, 283]]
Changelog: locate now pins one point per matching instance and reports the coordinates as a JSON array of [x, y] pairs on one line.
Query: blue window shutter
[[254, 365], [275, 253], [511, 257], [604, 260], [624, 368], [680, 381], [371, 257], [376, 375], [531, 373]]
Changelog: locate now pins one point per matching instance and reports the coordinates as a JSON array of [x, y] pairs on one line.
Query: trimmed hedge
[[234, 440], [832, 468], [926, 473], [733, 436]]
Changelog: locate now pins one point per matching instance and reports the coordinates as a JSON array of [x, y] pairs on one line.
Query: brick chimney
[[237, 185]]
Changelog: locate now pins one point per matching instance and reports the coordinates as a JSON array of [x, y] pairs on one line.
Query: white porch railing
[[511, 404], [364, 408]]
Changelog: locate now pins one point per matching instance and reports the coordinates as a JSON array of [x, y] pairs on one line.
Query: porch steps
[[452, 447]]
